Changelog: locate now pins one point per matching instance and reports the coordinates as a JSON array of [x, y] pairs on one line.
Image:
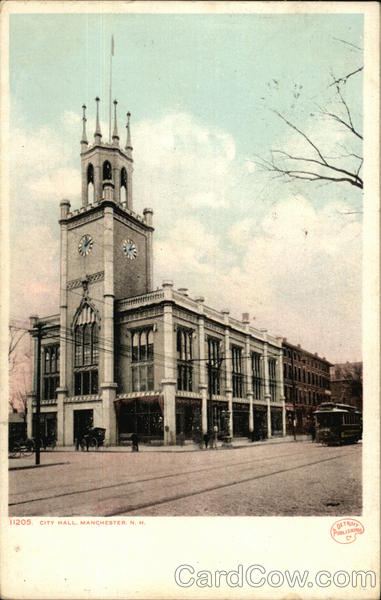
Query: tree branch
[[346, 77]]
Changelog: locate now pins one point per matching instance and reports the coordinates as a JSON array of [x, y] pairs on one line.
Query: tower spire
[[97, 134], [128, 142], [115, 136], [84, 141]]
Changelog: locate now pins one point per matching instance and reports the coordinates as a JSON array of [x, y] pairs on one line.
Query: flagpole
[[111, 53]]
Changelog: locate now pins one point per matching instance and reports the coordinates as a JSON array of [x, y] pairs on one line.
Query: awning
[[159, 398]]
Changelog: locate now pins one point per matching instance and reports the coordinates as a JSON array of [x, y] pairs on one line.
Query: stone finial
[[65, 208], [245, 318], [84, 141], [115, 136], [167, 283], [97, 134], [148, 214], [33, 320], [128, 141], [108, 190]]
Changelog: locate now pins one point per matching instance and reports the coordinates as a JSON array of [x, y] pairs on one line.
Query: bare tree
[[315, 163], [18, 361], [16, 334]]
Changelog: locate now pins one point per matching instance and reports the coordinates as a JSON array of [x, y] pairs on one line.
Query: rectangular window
[[214, 365], [77, 384], [142, 368], [256, 375], [237, 375], [51, 368], [272, 378], [94, 382], [184, 347], [86, 382]]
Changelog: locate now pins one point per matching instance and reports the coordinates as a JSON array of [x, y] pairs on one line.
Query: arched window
[[90, 183], [47, 360], [90, 173], [135, 347], [150, 345], [53, 361], [107, 171], [123, 185], [143, 345], [86, 352]]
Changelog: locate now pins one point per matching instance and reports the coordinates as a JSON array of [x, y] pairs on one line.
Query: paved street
[[280, 479]]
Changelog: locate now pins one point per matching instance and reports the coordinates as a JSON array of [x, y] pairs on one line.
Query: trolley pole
[[38, 395]]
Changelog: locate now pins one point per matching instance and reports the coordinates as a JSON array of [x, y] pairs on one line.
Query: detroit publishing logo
[[345, 531]]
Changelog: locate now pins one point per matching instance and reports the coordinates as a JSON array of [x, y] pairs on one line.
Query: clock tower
[[106, 255]]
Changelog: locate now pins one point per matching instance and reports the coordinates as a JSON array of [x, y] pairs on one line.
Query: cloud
[[293, 266], [182, 165], [34, 272], [299, 273]]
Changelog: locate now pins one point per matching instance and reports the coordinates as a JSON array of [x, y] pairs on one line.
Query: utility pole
[[293, 393], [38, 395]]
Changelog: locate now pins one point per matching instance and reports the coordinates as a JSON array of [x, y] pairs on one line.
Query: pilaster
[[267, 383], [203, 386], [108, 295], [108, 412], [248, 376], [169, 381], [228, 372], [62, 391], [148, 214], [281, 389]]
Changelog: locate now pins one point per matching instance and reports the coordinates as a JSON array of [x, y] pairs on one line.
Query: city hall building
[[124, 356]]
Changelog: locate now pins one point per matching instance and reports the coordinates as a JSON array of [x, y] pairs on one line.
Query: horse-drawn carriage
[[93, 438]]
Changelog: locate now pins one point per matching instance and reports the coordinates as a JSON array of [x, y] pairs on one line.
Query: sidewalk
[[54, 455]]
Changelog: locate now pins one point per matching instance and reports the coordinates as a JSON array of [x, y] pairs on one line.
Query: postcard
[[190, 300]]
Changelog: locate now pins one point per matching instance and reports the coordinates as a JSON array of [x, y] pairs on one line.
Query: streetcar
[[337, 424]]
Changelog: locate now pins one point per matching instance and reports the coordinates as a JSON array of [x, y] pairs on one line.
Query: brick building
[[306, 385], [346, 383], [124, 356]]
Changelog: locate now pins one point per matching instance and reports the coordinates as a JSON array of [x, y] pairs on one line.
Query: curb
[[66, 462]]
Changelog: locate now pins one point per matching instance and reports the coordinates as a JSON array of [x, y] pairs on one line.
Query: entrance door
[[83, 421], [260, 424]]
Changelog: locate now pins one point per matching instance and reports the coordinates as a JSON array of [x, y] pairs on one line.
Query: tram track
[[167, 476], [156, 478], [138, 507]]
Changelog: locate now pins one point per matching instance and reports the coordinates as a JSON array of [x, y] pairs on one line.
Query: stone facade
[[130, 359]]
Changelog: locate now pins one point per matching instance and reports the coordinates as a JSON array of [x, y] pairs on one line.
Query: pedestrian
[[206, 440], [312, 429], [215, 434], [135, 442]]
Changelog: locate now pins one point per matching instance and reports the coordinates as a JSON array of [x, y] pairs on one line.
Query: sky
[[202, 90]]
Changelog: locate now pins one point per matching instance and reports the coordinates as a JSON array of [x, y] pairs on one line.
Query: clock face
[[85, 245], [130, 249]]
